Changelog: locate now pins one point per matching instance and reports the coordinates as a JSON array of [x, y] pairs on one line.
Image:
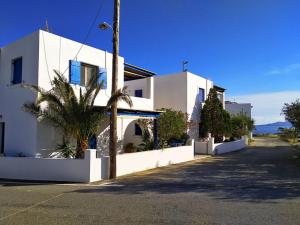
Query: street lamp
[[105, 26]]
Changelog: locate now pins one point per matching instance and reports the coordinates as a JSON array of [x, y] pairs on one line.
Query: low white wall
[[88, 169], [140, 161], [209, 147], [226, 147]]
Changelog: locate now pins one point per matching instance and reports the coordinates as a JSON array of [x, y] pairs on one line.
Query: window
[[17, 71], [86, 73], [201, 95], [138, 130], [81, 73], [138, 93]]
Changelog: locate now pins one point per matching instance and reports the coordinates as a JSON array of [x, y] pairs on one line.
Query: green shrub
[[130, 148], [289, 135], [214, 118], [241, 125], [67, 150]]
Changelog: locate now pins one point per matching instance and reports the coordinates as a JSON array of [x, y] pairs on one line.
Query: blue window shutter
[[103, 77], [138, 93], [17, 71], [74, 71]]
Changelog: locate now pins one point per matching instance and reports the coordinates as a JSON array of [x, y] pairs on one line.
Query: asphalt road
[[260, 185]]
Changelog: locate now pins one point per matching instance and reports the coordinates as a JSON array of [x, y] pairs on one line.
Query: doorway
[[2, 130]]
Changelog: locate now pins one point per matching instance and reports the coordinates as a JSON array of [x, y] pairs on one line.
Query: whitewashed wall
[[42, 52], [221, 148], [140, 161], [20, 127], [180, 91], [211, 148], [88, 169]]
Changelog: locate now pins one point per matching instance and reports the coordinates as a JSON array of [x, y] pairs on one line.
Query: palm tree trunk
[[82, 145]]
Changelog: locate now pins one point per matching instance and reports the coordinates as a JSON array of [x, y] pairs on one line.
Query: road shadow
[[256, 174]]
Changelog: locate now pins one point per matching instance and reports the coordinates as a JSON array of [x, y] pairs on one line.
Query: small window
[[138, 93], [86, 73], [138, 130], [17, 71], [201, 95]]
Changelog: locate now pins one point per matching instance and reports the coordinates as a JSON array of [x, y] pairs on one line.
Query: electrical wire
[[88, 33], [45, 55]]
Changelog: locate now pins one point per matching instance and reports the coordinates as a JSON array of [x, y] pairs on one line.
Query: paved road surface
[[260, 185]]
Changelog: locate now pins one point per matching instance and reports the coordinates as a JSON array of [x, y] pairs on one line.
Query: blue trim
[[150, 115], [103, 77], [74, 72], [138, 114]]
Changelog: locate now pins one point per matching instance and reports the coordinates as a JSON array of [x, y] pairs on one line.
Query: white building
[[235, 108], [186, 92], [32, 60]]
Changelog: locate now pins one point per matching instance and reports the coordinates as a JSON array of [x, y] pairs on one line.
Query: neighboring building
[[32, 60], [235, 108], [186, 92]]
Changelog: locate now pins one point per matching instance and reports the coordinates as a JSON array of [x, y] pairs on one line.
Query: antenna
[[184, 66], [46, 26]]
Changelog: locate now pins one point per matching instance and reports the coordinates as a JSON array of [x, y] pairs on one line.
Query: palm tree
[[74, 115]]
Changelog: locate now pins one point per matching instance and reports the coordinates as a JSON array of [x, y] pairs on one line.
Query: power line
[[88, 33], [45, 55]]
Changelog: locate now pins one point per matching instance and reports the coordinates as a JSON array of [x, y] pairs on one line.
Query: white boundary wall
[[140, 161], [209, 147], [90, 168], [226, 147]]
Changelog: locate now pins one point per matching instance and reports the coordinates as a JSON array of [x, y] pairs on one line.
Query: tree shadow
[[255, 174]]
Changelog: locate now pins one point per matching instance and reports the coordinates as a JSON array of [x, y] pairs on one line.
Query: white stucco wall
[[42, 52], [58, 51], [226, 147], [209, 147], [181, 92], [140, 161], [89, 169], [170, 91], [20, 127]]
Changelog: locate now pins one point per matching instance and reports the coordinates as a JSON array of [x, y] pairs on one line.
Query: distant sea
[[271, 128]]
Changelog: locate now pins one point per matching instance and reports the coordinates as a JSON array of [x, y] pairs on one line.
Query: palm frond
[[120, 95]]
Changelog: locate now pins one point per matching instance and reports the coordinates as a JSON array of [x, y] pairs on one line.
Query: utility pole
[[114, 109]]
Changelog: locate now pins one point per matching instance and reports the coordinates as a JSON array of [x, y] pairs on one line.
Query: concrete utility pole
[[114, 109]]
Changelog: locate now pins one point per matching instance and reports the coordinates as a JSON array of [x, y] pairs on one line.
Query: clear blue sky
[[246, 46]]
